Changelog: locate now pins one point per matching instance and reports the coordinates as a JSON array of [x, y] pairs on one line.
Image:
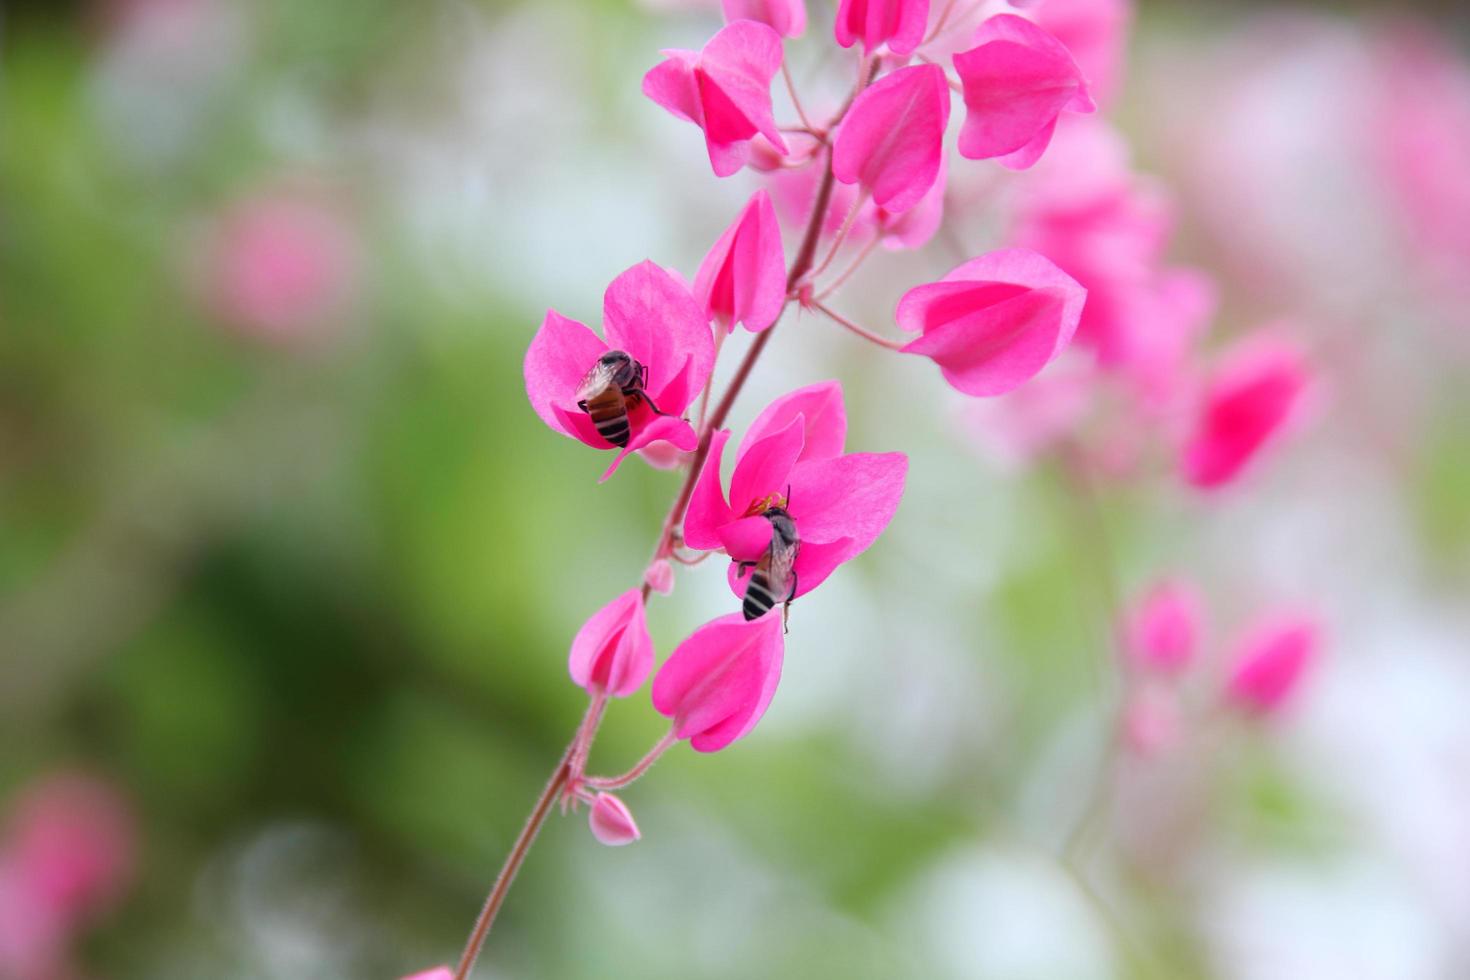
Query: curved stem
[[796, 101], [522, 846], [852, 267], [644, 764], [862, 332], [842, 232]]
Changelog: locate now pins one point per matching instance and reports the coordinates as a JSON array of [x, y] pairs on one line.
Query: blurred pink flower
[[1271, 661], [612, 651], [891, 141], [1017, 80], [785, 17], [792, 459], [438, 973], [1150, 720], [611, 821], [281, 265], [910, 229], [899, 23], [992, 323], [1247, 401], [1095, 32], [743, 277], [653, 319], [1033, 419], [1162, 631], [717, 684], [67, 855], [724, 89]]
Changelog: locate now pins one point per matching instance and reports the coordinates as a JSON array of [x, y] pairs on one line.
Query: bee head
[[623, 369], [781, 523]]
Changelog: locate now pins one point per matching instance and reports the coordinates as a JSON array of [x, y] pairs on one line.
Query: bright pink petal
[[822, 412], [708, 511], [746, 539], [653, 317], [852, 496], [661, 427], [892, 138], [900, 23], [560, 355], [1271, 661], [994, 322], [719, 681], [613, 651], [438, 973], [735, 72], [912, 229], [785, 17], [1095, 32], [1162, 632], [1249, 399], [671, 84], [611, 821], [1017, 80], [743, 277], [765, 468]]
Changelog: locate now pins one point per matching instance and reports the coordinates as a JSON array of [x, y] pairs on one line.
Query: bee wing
[[594, 381], [780, 561]]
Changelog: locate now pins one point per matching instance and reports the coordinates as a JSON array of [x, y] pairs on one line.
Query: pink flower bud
[[438, 973], [659, 576], [1250, 398], [995, 321], [892, 139], [1162, 633], [611, 821], [612, 651], [785, 17], [1017, 80], [743, 278], [1150, 721], [725, 90], [1271, 661], [71, 841], [719, 681], [900, 23]]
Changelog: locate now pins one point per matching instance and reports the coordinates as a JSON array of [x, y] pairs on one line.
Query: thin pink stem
[[847, 224], [644, 764], [522, 847], [796, 101], [853, 267], [862, 332]]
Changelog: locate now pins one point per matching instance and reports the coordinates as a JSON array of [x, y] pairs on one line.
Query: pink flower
[[611, 821], [280, 266], [659, 576], [911, 229], [892, 140], [1162, 632], [791, 463], [743, 278], [1017, 80], [651, 318], [785, 17], [724, 89], [719, 681], [995, 321], [1271, 661], [1095, 32], [900, 23], [1150, 720], [438, 973], [1248, 400], [1033, 419], [612, 651]]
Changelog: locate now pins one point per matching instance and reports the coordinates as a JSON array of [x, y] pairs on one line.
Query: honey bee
[[774, 578], [614, 387]]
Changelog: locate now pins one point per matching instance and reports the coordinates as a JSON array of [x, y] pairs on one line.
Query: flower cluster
[[795, 505], [1163, 641]]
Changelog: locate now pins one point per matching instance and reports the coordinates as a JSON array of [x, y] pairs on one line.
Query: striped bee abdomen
[[609, 414], [758, 597]]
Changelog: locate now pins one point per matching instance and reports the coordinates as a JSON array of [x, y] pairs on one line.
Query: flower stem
[[862, 332], [523, 843], [644, 764], [796, 102], [852, 267]]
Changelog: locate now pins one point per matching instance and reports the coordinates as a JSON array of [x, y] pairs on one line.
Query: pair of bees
[[614, 387]]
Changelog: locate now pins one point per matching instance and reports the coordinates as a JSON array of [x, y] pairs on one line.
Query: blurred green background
[[305, 594]]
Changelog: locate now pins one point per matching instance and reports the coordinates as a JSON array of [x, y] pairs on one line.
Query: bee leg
[[656, 409], [786, 606]]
